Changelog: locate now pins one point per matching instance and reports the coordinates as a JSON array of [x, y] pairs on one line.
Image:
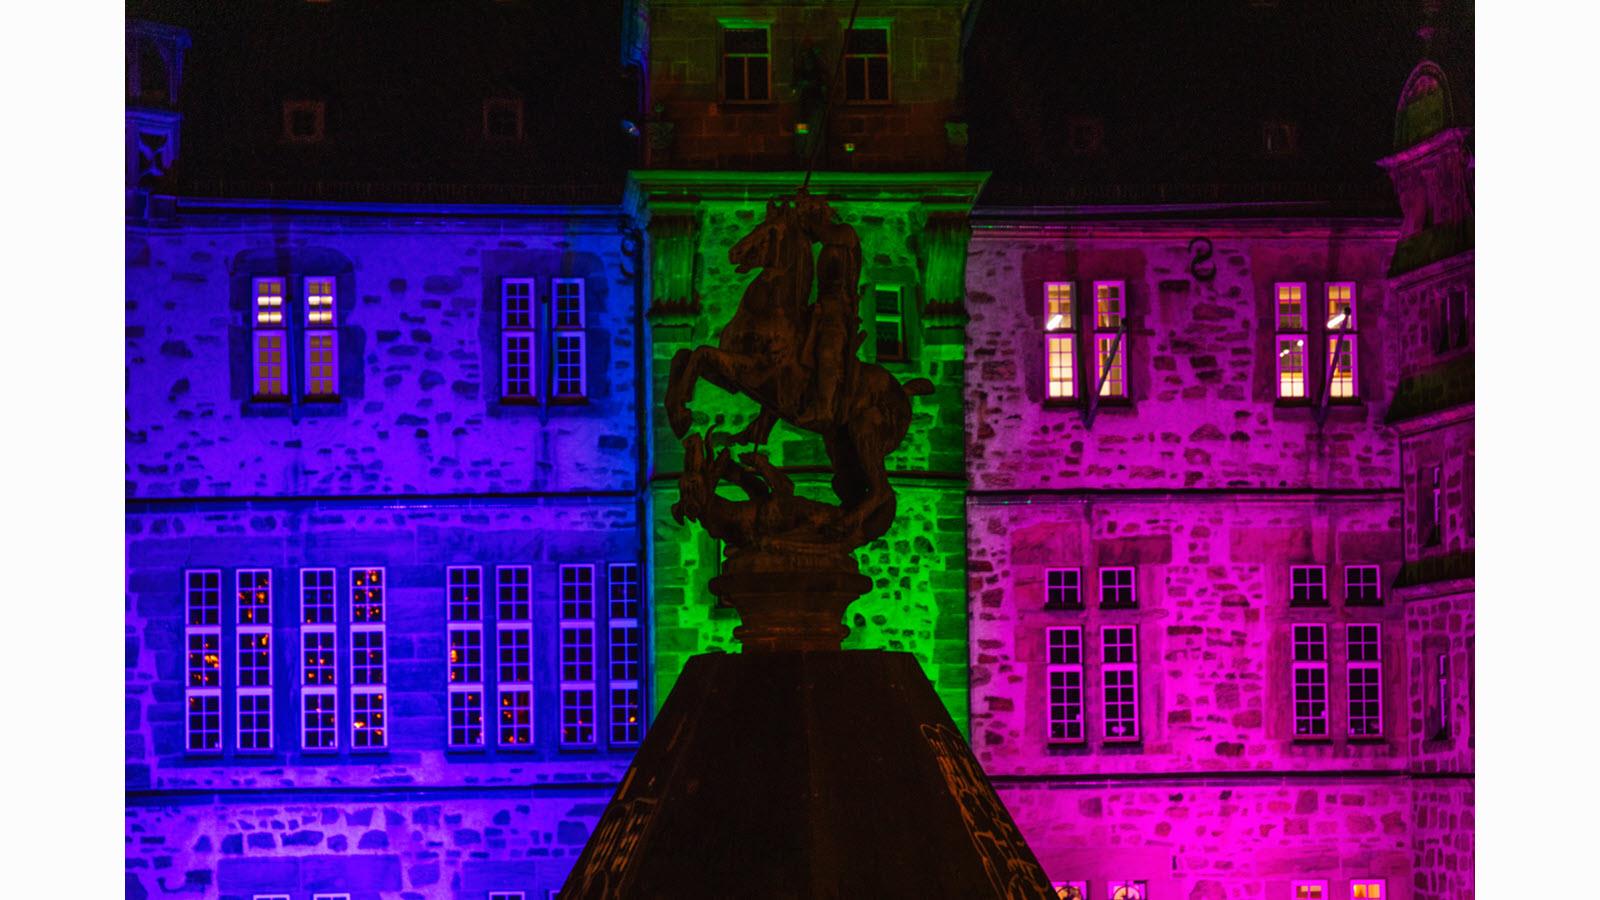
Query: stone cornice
[[675, 190]]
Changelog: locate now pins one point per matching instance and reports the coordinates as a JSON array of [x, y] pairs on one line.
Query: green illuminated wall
[[913, 234]]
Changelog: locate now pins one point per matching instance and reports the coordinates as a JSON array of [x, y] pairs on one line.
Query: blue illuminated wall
[[419, 465]]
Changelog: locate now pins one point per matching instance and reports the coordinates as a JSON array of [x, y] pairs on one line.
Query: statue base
[[791, 600], [795, 774]]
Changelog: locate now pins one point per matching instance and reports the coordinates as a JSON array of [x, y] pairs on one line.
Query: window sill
[[1317, 741], [1067, 748], [868, 103], [519, 401], [1122, 745], [569, 401], [1308, 604], [1368, 740], [749, 105], [1351, 601], [1119, 606], [1063, 607]]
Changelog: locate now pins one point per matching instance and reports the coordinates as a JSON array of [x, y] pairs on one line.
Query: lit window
[[322, 342], [1308, 585], [1061, 589], [304, 121], [202, 634], [627, 655], [1291, 340], [1064, 672], [517, 340], [319, 702], [464, 633], [1362, 586], [254, 642], [1310, 890], [502, 118], [1120, 671], [1342, 340], [888, 323], [514, 659], [1071, 890], [1059, 325], [1126, 890], [577, 655], [1310, 681], [368, 667], [1365, 676], [569, 338], [1366, 889], [746, 65], [1116, 587], [269, 340], [1110, 338], [866, 65]]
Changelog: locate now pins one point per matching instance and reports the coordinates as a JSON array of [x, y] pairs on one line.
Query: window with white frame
[[1310, 890], [889, 322], [269, 897], [1290, 306], [866, 64], [322, 341], [464, 632], [519, 356], [1367, 889], [627, 654], [569, 348], [1362, 585], [1120, 674], [269, 340], [253, 640], [319, 671], [368, 663], [1110, 338], [1308, 585], [1061, 589], [506, 895], [746, 63], [514, 654], [1116, 587], [1310, 670], [1064, 681], [1341, 340], [1060, 326], [202, 636], [1364, 672], [577, 655]]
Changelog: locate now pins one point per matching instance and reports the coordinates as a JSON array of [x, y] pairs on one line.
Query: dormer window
[[866, 65], [1280, 138], [1085, 136], [303, 121], [502, 119], [746, 64]]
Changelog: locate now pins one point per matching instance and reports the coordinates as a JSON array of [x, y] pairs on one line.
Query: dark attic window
[[502, 119], [1085, 135], [1279, 138], [866, 65], [304, 121]]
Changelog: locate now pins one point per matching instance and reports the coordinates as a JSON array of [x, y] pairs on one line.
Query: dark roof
[[403, 83], [1184, 90]]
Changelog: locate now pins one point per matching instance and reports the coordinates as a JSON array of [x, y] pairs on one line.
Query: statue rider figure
[[835, 332]]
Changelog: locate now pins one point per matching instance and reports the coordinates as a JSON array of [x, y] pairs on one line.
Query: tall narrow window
[[1367, 889], [746, 65], [1064, 671], [202, 636], [518, 340], [319, 678], [889, 322], [1061, 589], [1452, 328], [1120, 672], [1441, 697], [1362, 586], [627, 654], [269, 340], [1060, 334], [1308, 586], [1365, 677], [577, 655], [464, 632], [322, 341], [1342, 340], [514, 654], [1310, 681], [1310, 890], [1291, 340], [866, 65], [1110, 338], [254, 642], [1116, 588], [569, 338], [368, 663]]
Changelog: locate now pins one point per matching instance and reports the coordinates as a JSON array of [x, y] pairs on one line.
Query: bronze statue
[[798, 360]]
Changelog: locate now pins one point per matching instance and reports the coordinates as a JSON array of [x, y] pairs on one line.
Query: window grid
[[746, 65], [1310, 681], [1367, 889], [889, 322], [254, 673], [1120, 671], [626, 649], [577, 655], [519, 358], [866, 65], [1289, 304], [1061, 589], [1059, 324], [368, 666], [570, 348], [514, 654], [1362, 585], [1064, 674], [1310, 890], [1364, 671], [269, 340], [319, 678], [1116, 588], [1341, 340], [506, 895], [1110, 338], [202, 636], [1308, 585]]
